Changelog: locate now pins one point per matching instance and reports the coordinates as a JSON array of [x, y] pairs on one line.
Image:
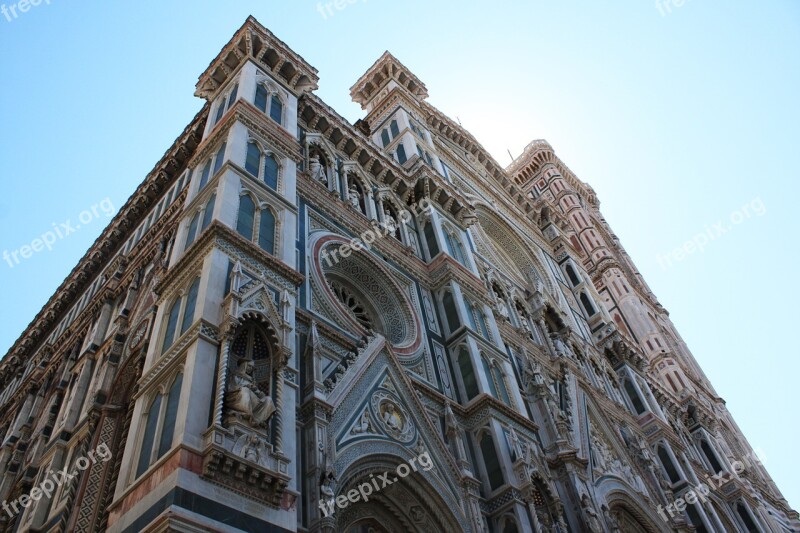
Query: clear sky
[[678, 120]]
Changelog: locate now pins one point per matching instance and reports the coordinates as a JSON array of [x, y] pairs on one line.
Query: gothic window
[[450, 312], [695, 520], [587, 304], [268, 171], [633, 395], [192, 233], [172, 324], [401, 154], [351, 302], [276, 109], [226, 102], [247, 213], [454, 246], [271, 172], [266, 231], [467, 373], [208, 212], [200, 221], [219, 158], [159, 425], [491, 461], [385, 137], [710, 456], [394, 129], [572, 275], [191, 303], [262, 219], [668, 464], [205, 175], [747, 520], [181, 312], [262, 95], [253, 160], [266, 96], [430, 239]]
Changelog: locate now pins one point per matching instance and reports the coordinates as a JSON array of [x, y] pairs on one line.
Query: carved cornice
[[256, 43]]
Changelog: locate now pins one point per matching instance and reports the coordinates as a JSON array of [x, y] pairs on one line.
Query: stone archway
[[410, 504]]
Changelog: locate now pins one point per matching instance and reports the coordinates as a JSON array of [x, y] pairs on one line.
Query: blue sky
[[677, 121]]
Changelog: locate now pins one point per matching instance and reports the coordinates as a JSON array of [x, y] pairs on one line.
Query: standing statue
[[245, 399], [317, 170], [611, 520], [516, 447], [590, 515], [389, 221], [354, 196]]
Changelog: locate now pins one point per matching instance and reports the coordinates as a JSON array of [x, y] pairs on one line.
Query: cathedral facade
[[301, 324]]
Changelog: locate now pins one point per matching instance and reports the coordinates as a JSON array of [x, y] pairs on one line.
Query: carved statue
[[590, 515], [354, 196], [317, 170], [391, 416], [252, 447], [363, 425], [389, 221], [611, 520], [516, 447], [245, 399], [326, 485], [561, 348]]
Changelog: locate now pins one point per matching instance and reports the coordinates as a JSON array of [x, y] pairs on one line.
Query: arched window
[[454, 246], [172, 324], [158, 438], [262, 95], [669, 466], [219, 158], [253, 160], [587, 304], [170, 416], [450, 312], [208, 212], [572, 275], [149, 436], [276, 109], [430, 240], [695, 520], [491, 461], [467, 373], [192, 233], [182, 307], [257, 224], [711, 456], [401, 154], [741, 510], [487, 371], [232, 97], [247, 212], [271, 172], [500, 383], [266, 231], [191, 303], [204, 176], [634, 397]]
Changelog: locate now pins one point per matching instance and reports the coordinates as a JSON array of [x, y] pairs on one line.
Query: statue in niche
[[317, 169], [326, 484], [245, 399], [389, 221], [611, 520], [560, 347], [354, 196], [592, 520]]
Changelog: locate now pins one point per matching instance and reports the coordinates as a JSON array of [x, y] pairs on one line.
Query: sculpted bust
[[245, 399]]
